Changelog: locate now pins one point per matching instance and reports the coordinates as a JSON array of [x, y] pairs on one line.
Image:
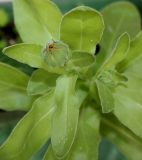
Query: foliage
[[74, 97]]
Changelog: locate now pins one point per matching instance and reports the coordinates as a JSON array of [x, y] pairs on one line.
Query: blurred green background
[[9, 36]]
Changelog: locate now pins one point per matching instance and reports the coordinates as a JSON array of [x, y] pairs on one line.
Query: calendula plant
[[86, 84]]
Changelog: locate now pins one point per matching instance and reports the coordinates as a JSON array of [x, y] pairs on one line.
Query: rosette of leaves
[[74, 98]]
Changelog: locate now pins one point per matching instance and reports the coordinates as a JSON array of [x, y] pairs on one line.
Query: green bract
[[74, 97]]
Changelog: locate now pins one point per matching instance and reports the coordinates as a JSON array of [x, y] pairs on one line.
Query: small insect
[[50, 47]]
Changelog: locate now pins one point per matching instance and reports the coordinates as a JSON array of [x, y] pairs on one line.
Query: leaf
[[40, 18], [129, 99], [87, 139], [13, 95], [33, 130], [129, 112], [81, 63], [106, 97], [119, 17], [81, 59], [65, 118], [41, 82], [108, 77], [4, 18], [128, 143], [26, 53], [119, 52], [50, 154], [133, 55], [30, 54], [82, 28], [128, 104]]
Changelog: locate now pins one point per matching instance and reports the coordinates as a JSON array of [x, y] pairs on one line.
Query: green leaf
[[50, 154], [128, 143], [13, 84], [131, 67], [133, 56], [30, 54], [81, 62], [65, 118], [129, 112], [26, 53], [119, 17], [31, 132], [82, 28], [81, 59], [108, 77], [40, 18], [4, 19], [41, 82], [106, 97], [129, 99], [87, 139], [118, 54]]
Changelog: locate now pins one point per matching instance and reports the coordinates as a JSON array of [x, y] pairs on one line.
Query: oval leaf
[[40, 18], [82, 28], [65, 118], [87, 139]]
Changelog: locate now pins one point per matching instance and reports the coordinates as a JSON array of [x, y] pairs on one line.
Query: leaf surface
[[133, 57], [129, 112], [127, 142], [65, 118], [106, 97], [40, 18], [119, 53], [118, 17], [30, 54], [128, 100], [87, 139], [26, 53], [82, 28], [33, 130], [41, 82], [13, 95]]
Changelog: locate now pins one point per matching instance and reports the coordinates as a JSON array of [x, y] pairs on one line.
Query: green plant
[[74, 98]]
